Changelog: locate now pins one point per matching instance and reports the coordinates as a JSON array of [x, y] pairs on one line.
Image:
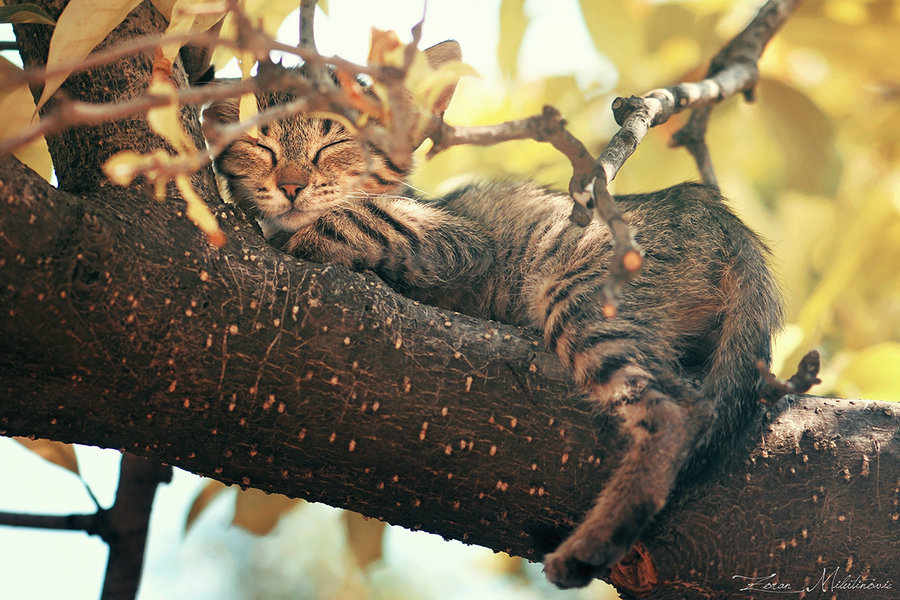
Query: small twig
[[734, 70], [549, 126], [735, 66], [67, 112], [693, 137], [318, 73], [799, 383], [307, 20], [76, 522], [9, 45]]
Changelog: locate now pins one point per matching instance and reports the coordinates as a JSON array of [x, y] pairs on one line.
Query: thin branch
[[693, 137], [734, 71], [318, 73], [127, 523], [307, 20], [729, 67], [76, 522], [549, 126], [67, 112]]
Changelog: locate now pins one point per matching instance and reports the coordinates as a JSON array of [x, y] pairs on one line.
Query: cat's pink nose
[[291, 190]]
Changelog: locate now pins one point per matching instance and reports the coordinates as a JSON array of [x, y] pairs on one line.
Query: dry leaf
[[182, 19], [17, 108], [258, 512], [203, 499], [166, 120], [58, 453], [82, 25], [365, 537], [25, 13], [385, 49], [270, 14], [247, 109], [198, 212]]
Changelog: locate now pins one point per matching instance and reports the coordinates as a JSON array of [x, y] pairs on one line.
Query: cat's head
[[302, 165]]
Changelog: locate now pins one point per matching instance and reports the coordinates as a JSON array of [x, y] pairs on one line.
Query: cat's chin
[[293, 220]]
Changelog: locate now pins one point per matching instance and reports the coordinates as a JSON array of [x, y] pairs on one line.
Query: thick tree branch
[[258, 369]]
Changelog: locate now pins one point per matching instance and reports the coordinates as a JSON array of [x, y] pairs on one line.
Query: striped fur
[[678, 363]]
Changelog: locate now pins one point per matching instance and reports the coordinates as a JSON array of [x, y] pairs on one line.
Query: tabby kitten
[[677, 364]]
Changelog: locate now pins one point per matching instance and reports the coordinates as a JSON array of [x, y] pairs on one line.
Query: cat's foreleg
[[661, 437]]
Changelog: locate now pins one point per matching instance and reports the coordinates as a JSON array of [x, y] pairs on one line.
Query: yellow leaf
[[270, 14], [247, 109], [122, 167], [17, 108], [513, 23], [198, 212], [82, 25], [182, 19], [385, 49], [165, 8], [258, 512], [427, 84], [59, 454], [872, 373], [365, 537], [166, 120], [616, 31], [209, 492]]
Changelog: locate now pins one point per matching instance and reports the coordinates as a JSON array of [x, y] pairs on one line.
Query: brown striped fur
[[678, 363]]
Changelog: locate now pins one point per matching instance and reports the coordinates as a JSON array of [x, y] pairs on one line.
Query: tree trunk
[[122, 327]]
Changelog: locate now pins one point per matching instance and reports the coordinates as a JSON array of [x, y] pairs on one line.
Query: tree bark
[[122, 327]]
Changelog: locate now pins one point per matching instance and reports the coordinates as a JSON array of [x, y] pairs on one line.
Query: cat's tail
[[750, 312]]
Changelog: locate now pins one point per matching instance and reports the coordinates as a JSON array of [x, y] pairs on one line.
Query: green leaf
[[25, 13]]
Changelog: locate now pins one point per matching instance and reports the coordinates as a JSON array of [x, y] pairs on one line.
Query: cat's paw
[[593, 549], [566, 571]]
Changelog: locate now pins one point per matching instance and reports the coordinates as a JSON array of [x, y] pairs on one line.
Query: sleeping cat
[[677, 363]]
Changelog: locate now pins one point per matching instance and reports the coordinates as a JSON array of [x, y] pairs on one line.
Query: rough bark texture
[[123, 328]]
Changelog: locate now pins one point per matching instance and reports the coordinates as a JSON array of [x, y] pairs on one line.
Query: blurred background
[[813, 165]]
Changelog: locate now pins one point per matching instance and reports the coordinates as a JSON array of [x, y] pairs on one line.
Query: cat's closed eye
[[339, 154], [273, 156]]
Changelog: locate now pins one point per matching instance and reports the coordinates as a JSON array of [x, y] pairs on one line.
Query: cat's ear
[[222, 111], [439, 55]]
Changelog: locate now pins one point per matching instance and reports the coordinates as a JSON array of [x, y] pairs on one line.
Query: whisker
[[423, 192]]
